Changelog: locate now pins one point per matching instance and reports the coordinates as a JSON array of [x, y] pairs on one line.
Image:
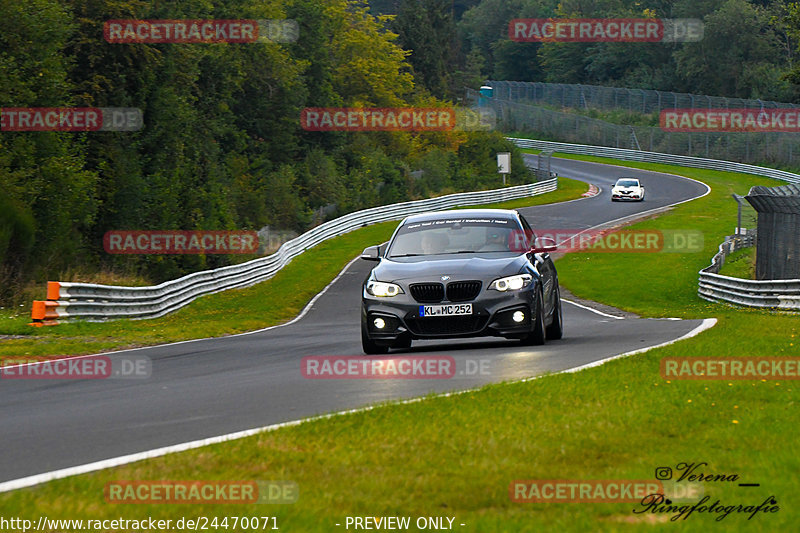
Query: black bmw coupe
[[463, 273]]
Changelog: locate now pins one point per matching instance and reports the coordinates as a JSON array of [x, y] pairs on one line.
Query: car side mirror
[[371, 253], [544, 245]]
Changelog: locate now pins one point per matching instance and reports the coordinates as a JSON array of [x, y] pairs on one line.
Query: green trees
[[222, 146], [427, 29], [747, 48], [48, 193], [738, 55]]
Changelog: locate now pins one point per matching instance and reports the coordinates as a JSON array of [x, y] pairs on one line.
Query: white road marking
[[37, 479], [707, 323], [592, 310]]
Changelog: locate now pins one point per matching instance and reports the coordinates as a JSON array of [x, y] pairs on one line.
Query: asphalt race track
[[212, 387]]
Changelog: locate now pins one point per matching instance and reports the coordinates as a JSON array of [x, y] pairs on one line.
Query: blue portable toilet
[[486, 93]]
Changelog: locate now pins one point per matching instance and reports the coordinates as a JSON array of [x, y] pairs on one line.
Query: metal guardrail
[[656, 157], [783, 294], [732, 243], [88, 301]]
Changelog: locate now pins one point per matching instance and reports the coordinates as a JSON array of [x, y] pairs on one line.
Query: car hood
[[482, 267]]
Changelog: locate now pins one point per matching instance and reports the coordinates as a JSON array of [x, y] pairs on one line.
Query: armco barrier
[[656, 157], [783, 294], [102, 302]]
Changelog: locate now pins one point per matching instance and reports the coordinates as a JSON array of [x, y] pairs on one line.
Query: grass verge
[[740, 264]]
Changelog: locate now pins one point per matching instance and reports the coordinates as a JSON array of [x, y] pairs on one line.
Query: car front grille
[[427, 292], [447, 325], [463, 291], [457, 291]]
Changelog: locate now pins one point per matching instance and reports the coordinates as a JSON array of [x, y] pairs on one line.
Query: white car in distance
[[627, 189]]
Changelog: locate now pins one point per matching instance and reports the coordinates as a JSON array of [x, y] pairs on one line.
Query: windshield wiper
[[404, 255]]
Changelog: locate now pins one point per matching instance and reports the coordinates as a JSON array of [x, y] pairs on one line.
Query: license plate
[[445, 310]]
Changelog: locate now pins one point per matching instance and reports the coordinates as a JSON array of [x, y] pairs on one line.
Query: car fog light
[[379, 323], [518, 316]]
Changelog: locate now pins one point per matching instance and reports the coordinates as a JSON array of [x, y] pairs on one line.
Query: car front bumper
[[632, 197], [492, 315]]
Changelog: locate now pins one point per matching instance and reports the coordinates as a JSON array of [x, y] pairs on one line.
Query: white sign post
[[504, 164]]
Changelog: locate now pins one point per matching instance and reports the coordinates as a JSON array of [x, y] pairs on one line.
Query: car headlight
[[511, 283], [383, 290]]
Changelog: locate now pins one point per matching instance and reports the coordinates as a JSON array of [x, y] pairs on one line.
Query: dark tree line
[[222, 146], [748, 50]]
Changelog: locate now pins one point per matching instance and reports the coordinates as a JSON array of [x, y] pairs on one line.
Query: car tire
[[370, 347], [556, 328], [537, 335]]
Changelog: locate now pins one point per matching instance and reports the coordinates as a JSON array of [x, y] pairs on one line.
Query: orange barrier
[[45, 313]]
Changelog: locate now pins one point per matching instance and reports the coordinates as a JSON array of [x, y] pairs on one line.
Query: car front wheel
[[556, 328], [369, 346], [537, 335]]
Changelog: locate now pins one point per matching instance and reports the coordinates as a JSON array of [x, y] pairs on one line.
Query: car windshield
[[627, 183], [457, 236]]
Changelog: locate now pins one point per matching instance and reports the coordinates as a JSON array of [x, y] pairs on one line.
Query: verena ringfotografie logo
[[201, 492], [714, 120], [98, 367], [587, 30], [360, 367], [582, 490], [730, 368], [692, 472], [70, 119], [200, 31], [611, 241], [181, 242]]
